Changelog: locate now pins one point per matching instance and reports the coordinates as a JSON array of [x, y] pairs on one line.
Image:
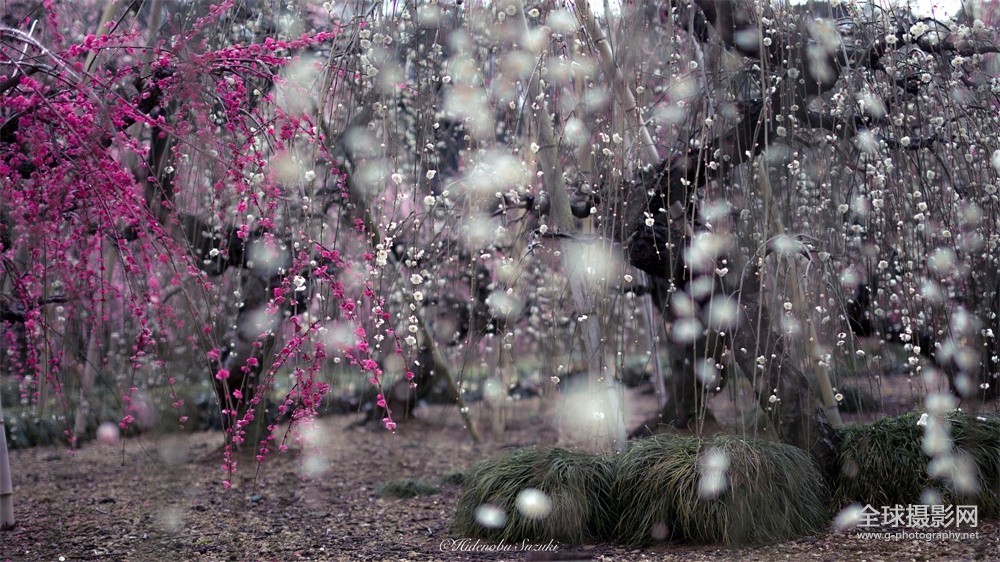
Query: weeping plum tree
[[162, 185], [855, 85], [769, 124], [274, 188]]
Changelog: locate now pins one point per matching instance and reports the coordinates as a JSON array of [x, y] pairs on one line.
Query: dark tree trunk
[[796, 415]]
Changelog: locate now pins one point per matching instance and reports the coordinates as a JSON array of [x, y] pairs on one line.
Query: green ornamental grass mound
[[726, 490], [406, 488], [453, 478], [885, 463], [536, 495]]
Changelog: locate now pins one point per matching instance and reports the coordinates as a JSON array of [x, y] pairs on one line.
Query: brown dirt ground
[[160, 497]]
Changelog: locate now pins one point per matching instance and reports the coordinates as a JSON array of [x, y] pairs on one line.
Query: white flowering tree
[[839, 116], [756, 106], [744, 156]]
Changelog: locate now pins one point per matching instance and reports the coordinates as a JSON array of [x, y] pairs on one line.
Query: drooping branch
[[865, 323], [14, 313], [818, 54], [660, 227], [634, 120], [360, 206], [676, 182], [755, 347], [814, 354]]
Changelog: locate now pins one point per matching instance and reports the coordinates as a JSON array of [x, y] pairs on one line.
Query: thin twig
[[648, 154], [814, 354]]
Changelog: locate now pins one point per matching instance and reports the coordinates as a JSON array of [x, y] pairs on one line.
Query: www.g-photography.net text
[[892, 536]]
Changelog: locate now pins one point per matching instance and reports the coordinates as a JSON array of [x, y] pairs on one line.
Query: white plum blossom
[[849, 517], [489, 515], [534, 504], [108, 433], [686, 330], [714, 466]]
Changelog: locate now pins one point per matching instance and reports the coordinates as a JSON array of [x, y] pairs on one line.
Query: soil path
[[161, 498]]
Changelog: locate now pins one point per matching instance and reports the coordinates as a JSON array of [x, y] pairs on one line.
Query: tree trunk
[[546, 407], [499, 384], [789, 401], [756, 348], [87, 381], [686, 405], [6, 489], [362, 210], [602, 383], [93, 353], [653, 330], [250, 346]]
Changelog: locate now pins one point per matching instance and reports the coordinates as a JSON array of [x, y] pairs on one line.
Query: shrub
[[884, 463], [725, 490], [576, 484], [406, 488], [453, 478]]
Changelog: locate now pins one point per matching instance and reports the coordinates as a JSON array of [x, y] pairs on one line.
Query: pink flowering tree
[[164, 197]]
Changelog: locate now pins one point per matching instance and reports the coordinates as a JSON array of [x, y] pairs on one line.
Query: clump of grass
[[406, 488], [726, 490], [453, 478], [23, 428], [884, 463], [576, 484]]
